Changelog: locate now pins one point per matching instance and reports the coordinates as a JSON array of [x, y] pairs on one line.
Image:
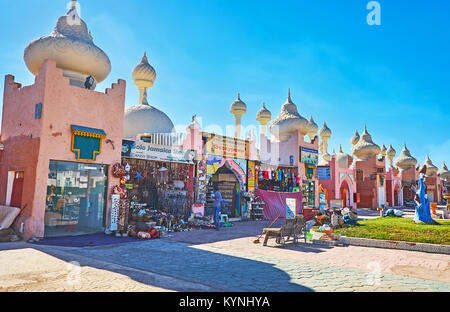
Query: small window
[[38, 111]]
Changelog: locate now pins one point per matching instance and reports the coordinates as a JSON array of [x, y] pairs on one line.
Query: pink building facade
[[287, 153], [37, 129], [342, 184]]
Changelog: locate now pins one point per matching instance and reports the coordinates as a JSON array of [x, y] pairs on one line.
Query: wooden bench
[[293, 228]]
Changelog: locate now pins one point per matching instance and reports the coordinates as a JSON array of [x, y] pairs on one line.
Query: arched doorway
[[396, 196], [345, 193], [229, 178]]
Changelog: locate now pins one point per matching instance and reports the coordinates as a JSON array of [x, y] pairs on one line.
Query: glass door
[[75, 202]]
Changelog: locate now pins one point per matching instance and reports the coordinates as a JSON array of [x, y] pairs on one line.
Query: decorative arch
[[235, 168], [349, 183]]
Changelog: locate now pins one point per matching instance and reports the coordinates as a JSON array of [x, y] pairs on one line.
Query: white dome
[[144, 74], [365, 148], [431, 169], [405, 161], [355, 138], [444, 173], [263, 115], [288, 121], [313, 128], [71, 46], [145, 119], [342, 158], [325, 132]]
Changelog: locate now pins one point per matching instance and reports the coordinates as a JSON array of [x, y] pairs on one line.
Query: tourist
[[218, 202]]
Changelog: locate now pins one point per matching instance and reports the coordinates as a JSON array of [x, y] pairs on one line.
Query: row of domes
[[363, 148], [287, 122], [71, 46]]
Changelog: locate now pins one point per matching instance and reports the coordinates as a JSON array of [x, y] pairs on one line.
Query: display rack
[[256, 210]]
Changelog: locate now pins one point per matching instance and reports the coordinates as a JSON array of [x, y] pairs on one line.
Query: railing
[[165, 139]]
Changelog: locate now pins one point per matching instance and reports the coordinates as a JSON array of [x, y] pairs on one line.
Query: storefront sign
[[309, 156], [149, 151], [324, 173], [226, 147]]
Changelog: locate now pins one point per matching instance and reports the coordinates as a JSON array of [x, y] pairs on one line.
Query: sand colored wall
[[63, 105]]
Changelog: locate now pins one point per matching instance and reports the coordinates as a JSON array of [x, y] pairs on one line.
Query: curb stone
[[387, 244]]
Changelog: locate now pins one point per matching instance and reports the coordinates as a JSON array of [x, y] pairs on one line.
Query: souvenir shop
[[224, 165], [309, 186], [229, 177], [158, 185], [276, 178]]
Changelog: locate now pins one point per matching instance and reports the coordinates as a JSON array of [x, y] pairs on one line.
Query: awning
[[87, 142]]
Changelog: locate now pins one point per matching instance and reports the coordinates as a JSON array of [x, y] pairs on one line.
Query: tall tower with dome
[[60, 127], [143, 118]]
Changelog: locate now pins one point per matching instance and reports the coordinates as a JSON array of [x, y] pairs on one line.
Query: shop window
[[75, 201]]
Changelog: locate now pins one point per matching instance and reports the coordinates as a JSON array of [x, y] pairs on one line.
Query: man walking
[[218, 202]]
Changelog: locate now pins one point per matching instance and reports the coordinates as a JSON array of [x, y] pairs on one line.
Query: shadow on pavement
[[177, 266]]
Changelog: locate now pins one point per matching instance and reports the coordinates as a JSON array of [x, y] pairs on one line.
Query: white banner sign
[[149, 151]]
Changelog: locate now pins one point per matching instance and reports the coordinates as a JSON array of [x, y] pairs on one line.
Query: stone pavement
[[227, 260]]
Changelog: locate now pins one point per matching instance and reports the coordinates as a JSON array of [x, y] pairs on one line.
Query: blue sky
[[393, 77]]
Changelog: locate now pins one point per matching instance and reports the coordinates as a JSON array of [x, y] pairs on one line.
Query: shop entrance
[[396, 201], [229, 187], [345, 194], [308, 190], [76, 194]]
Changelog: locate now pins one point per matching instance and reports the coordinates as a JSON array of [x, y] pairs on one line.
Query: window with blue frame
[[38, 111], [87, 142]]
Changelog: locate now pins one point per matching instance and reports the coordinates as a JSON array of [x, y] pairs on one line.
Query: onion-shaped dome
[[71, 46], [288, 121], [383, 151], [431, 169], [355, 138], [145, 119], [263, 115], [144, 75], [390, 152], [444, 173], [325, 132], [365, 148], [405, 161], [312, 128], [342, 158], [238, 107]]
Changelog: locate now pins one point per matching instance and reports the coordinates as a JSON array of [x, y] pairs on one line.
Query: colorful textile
[[276, 203]]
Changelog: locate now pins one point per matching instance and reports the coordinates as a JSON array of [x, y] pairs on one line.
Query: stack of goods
[[159, 219], [350, 217], [198, 221], [143, 231]]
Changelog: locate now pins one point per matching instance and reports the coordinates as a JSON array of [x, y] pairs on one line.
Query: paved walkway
[[227, 260]]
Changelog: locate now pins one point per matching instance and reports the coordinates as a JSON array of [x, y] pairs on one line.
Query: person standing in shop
[[218, 202]]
